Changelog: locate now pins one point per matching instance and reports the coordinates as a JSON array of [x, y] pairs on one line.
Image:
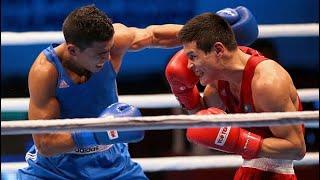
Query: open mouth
[[198, 73], [99, 65]]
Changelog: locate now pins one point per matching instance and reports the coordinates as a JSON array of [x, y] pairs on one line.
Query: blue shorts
[[113, 163]]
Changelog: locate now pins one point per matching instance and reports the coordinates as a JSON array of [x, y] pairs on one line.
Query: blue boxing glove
[[243, 24], [86, 139]]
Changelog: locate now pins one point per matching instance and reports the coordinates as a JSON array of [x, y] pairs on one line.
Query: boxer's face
[[93, 58], [205, 65]]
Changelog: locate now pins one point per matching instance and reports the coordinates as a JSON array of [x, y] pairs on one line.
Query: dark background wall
[[46, 15]]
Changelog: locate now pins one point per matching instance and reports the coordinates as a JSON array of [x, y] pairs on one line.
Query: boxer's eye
[[192, 57]]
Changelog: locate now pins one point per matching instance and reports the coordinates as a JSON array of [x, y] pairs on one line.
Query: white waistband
[[90, 150], [272, 165]]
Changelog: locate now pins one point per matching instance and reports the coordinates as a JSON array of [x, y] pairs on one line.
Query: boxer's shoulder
[[43, 65], [270, 87], [43, 71], [269, 72]]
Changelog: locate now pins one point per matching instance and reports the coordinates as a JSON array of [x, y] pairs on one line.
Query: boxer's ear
[[72, 49], [218, 49]]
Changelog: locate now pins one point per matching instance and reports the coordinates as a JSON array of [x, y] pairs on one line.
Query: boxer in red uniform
[[237, 80]]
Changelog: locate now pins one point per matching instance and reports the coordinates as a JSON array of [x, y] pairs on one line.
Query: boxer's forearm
[[277, 148], [53, 144]]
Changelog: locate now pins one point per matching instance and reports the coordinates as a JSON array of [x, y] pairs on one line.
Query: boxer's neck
[[72, 68], [234, 66]]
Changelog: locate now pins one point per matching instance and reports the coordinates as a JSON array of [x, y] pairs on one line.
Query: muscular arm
[[44, 105], [135, 39], [274, 94]]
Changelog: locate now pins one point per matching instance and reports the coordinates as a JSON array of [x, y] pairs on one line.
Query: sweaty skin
[[272, 91], [43, 75]]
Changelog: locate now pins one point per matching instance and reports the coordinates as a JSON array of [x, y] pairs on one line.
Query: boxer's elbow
[[44, 146], [164, 36], [299, 147], [297, 151], [300, 152], [43, 149], [279, 148]]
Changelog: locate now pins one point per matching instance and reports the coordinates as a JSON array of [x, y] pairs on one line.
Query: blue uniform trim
[[102, 138]]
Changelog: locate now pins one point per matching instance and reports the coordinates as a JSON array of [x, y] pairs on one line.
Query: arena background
[[143, 72]]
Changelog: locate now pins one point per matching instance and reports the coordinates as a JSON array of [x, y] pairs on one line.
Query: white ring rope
[[288, 30], [180, 163], [265, 31], [142, 101], [160, 122]]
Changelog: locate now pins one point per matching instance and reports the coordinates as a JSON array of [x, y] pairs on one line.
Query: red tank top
[[245, 104]]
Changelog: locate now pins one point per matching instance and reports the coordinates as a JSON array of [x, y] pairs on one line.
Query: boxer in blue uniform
[[77, 79]]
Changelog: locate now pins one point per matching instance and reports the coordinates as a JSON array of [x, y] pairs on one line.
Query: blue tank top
[[83, 100]]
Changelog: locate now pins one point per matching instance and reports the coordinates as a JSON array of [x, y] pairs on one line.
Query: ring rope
[[142, 101], [160, 122], [265, 31], [288, 30], [180, 163]]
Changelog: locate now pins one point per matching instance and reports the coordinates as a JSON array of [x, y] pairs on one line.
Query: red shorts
[[246, 173]]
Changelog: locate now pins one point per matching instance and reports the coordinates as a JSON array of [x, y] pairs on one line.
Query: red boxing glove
[[183, 81], [226, 139]]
